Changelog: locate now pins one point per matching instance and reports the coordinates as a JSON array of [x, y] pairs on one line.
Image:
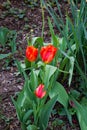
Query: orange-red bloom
[[40, 92], [31, 53], [48, 53]]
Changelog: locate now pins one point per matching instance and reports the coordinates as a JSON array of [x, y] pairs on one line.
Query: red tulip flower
[[31, 53], [48, 53], [40, 92]]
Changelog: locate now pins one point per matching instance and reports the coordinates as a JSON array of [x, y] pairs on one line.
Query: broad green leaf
[[33, 80], [27, 115], [2, 56], [62, 97], [49, 71], [20, 99], [3, 35], [18, 111], [81, 114], [24, 102], [45, 113], [59, 90], [25, 97], [21, 70], [37, 41], [32, 127], [29, 94]]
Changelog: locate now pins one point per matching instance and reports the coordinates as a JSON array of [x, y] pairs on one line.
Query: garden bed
[[10, 81]]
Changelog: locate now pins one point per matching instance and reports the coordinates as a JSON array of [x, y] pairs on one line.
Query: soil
[[10, 82]]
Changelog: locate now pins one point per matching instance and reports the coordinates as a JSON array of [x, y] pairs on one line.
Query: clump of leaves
[[7, 44], [32, 3], [18, 13], [8, 38], [7, 4], [15, 12]]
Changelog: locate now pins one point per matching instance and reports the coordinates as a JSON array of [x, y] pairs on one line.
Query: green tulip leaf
[[59, 90], [33, 80], [81, 112], [27, 115], [37, 41], [3, 35], [45, 113], [49, 71], [32, 127]]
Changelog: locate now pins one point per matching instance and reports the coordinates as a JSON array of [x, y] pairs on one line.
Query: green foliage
[[2, 56], [32, 127], [46, 111], [28, 106], [73, 33], [15, 12], [8, 38], [34, 112], [21, 69], [46, 74], [7, 41], [73, 50], [59, 90], [66, 62], [32, 3], [81, 111], [3, 36]]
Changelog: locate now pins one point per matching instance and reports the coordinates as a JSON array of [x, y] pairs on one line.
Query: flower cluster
[[47, 53]]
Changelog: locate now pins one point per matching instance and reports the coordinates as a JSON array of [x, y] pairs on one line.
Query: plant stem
[[42, 8]]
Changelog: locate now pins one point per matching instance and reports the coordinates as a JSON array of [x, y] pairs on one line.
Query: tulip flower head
[[31, 53], [40, 92], [47, 53]]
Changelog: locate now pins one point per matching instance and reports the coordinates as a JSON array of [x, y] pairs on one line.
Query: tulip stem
[[32, 64], [42, 8]]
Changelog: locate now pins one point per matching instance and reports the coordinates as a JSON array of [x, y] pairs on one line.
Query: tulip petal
[[40, 92], [48, 53]]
